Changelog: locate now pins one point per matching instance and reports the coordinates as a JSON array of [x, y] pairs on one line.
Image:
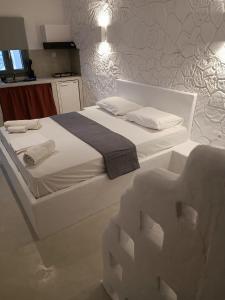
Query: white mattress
[[75, 161]]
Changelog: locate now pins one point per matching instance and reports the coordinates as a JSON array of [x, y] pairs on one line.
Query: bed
[[72, 184]]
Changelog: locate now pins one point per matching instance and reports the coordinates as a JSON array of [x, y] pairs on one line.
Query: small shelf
[[59, 45]]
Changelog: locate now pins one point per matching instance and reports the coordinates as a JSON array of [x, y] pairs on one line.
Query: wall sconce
[[104, 21], [104, 34]]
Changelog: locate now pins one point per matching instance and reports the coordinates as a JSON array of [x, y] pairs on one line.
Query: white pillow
[[153, 118], [118, 106]]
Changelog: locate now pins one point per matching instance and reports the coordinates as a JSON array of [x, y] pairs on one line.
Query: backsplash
[[47, 62], [170, 43]]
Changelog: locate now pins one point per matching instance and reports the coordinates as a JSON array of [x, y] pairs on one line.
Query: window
[[13, 62], [17, 60], [2, 62]]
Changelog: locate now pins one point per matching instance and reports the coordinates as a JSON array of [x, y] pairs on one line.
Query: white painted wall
[[35, 13]]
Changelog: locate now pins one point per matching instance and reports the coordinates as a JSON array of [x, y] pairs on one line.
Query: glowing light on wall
[[104, 49], [104, 19], [104, 16]]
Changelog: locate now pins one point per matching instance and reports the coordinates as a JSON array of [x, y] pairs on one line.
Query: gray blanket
[[119, 153]]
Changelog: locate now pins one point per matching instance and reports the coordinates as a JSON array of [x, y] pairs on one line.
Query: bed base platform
[[66, 207]]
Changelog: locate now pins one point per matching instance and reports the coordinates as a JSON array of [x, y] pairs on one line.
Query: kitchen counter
[[53, 82], [38, 81]]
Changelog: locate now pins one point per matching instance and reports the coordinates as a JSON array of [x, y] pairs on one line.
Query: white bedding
[[74, 161]]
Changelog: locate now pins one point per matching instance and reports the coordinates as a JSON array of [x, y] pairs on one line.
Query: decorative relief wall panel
[[170, 43]]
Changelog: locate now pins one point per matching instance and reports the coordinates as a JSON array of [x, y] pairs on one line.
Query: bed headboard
[[176, 102]]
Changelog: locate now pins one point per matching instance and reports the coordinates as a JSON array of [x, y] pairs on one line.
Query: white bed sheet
[[75, 161]]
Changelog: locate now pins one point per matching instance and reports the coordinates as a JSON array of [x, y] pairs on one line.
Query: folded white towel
[[35, 154], [17, 129], [30, 124], [21, 142]]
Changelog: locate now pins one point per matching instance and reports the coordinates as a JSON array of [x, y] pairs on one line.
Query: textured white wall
[[170, 43], [35, 13]]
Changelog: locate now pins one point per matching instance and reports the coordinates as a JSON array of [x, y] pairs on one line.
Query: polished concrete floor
[[65, 266]]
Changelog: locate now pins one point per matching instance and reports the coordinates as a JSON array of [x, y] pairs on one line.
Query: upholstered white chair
[[168, 240]]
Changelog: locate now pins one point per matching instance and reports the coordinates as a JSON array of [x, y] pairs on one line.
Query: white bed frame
[[60, 209]]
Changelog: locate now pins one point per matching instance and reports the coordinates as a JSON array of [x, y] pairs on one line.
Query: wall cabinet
[[68, 96]]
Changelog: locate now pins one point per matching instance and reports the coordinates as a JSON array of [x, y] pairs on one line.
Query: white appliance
[[56, 33], [68, 95]]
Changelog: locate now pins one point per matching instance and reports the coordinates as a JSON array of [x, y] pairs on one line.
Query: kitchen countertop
[[38, 81]]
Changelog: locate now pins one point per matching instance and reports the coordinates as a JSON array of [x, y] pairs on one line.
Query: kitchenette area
[[37, 83]]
